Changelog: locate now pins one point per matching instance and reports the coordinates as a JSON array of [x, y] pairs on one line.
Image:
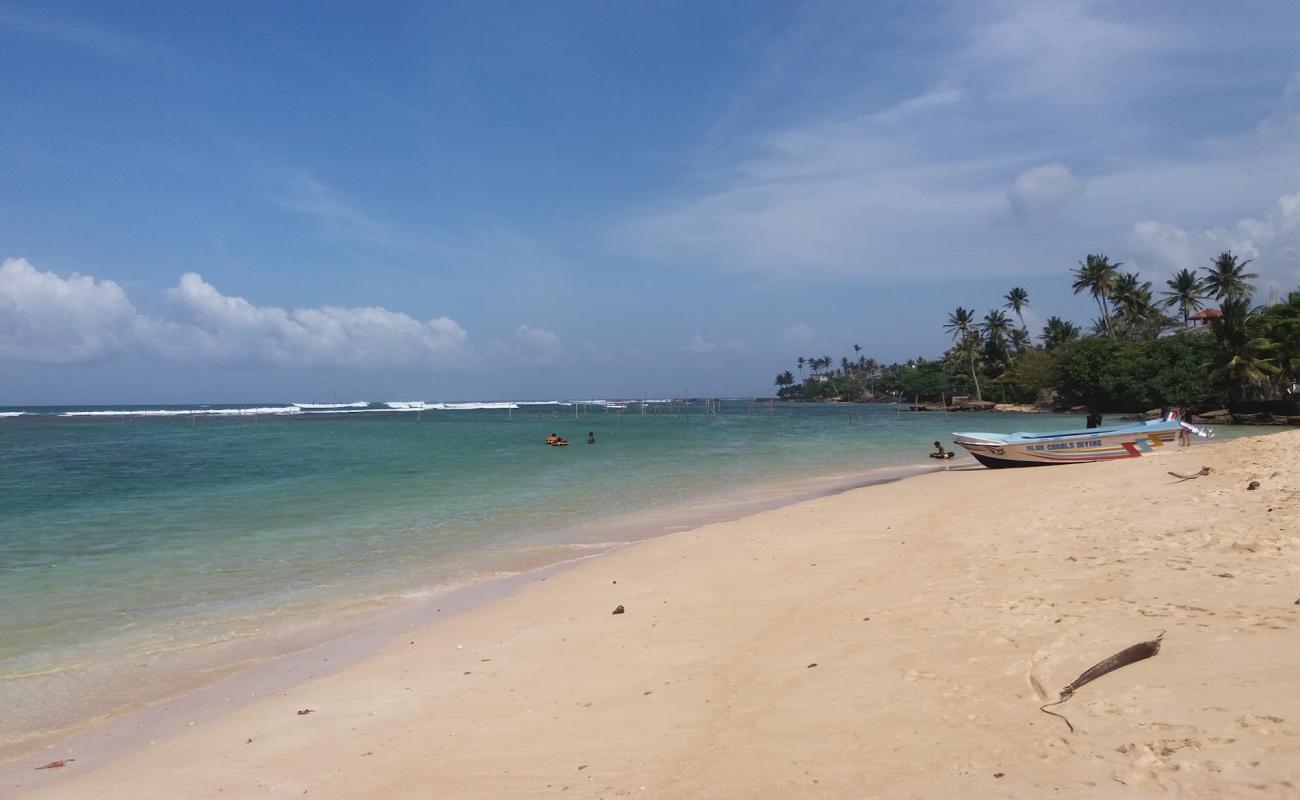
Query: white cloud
[[1063, 51], [308, 197], [538, 345], [1167, 246], [921, 188], [699, 345], [1037, 195], [797, 334], [233, 330], [530, 347], [48, 319], [597, 353], [1273, 242], [53, 320]]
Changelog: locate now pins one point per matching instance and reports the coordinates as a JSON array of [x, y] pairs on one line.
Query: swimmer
[[939, 452]]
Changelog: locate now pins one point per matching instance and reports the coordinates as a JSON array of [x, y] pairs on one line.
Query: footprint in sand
[[1259, 722]]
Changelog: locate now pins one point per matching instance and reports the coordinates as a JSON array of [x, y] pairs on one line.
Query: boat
[[998, 450]]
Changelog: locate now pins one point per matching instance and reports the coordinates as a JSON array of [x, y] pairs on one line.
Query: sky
[[249, 202]]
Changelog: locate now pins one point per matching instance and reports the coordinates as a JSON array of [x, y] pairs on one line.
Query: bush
[[1107, 375]]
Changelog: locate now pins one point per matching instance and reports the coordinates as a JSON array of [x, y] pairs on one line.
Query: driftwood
[[1204, 471], [1129, 655]]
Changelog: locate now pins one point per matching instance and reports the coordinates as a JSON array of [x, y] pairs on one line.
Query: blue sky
[[440, 201]]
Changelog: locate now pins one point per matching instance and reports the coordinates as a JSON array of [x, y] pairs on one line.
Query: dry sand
[[880, 643]]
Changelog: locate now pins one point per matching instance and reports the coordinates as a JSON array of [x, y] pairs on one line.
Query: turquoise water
[[142, 552]]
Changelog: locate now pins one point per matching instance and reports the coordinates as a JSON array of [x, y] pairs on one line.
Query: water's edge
[[99, 740]]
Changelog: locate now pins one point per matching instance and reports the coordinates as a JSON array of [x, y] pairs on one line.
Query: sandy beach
[[894, 641]]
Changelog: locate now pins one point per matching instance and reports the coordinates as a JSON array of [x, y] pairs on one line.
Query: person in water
[[552, 439], [939, 452], [591, 437]]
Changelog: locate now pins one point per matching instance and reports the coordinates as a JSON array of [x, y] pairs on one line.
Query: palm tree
[[1017, 299], [961, 325], [1097, 276], [1057, 332], [784, 379], [968, 350], [800, 362], [1131, 297], [1185, 291], [996, 326], [1244, 358], [1227, 278]]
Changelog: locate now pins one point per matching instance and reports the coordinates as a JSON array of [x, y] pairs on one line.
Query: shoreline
[[367, 630], [716, 602]]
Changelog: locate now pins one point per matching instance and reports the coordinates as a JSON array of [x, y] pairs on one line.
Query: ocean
[[146, 550]]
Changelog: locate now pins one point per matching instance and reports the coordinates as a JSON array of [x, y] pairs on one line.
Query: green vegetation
[[1136, 354]]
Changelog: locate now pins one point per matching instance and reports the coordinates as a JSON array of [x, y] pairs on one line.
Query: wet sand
[[890, 641]]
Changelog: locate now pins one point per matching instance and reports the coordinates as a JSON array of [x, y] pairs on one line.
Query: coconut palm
[[1057, 332], [968, 350], [1186, 290], [1017, 299], [960, 322], [1097, 275], [1228, 277], [1246, 358], [1131, 297], [800, 362], [961, 325], [996, 328]]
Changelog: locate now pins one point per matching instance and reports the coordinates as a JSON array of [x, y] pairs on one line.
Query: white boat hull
[[1069, 448]]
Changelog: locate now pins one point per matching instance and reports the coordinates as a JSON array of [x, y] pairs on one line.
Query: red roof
[[1209, 313]]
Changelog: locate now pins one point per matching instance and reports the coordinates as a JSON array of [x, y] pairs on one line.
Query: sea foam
[[330, 406], [183, 412]]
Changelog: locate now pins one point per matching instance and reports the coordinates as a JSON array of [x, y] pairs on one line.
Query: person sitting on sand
[[552, 439], [591, 437]]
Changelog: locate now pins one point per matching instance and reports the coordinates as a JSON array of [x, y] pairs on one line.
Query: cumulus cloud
[[1272, 241], [700, 346], [797, 334], [529, 347], [1167, 246], [231, 329], [48, 319], [1037, 195], [53, 320]]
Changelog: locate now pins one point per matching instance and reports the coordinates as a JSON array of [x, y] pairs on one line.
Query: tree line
[[1141, 351]]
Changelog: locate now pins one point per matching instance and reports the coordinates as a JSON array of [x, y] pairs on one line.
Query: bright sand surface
[[884, 642]]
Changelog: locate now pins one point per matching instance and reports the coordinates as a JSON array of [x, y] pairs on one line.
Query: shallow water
[[140, 552]]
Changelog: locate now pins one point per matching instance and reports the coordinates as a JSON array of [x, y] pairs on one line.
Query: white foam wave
[[471, 406], [329, 406], [414, 405], [184, 412], [12, 413]]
